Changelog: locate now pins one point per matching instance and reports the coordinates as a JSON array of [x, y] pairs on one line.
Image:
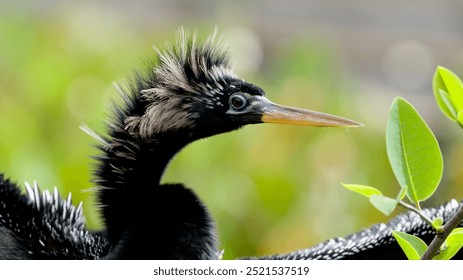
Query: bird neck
[[129, 173]]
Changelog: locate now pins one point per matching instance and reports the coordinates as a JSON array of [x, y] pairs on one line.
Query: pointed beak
[[274, 113]]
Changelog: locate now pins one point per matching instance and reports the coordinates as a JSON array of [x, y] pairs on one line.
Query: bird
[[186, 93]]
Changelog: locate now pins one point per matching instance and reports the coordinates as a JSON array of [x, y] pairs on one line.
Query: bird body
[[189, 93]]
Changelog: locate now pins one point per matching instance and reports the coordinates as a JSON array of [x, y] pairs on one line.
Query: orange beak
[[274, 113]]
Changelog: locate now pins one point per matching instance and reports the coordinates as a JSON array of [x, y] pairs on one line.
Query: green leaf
[[362, 189], [412, 246], [445, 81], [383, 203], [445, 104], [437, 222], [413, 151], [451, 246], [460, 118], [401, 195]]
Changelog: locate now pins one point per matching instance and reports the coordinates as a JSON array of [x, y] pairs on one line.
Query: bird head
[[192, 89]]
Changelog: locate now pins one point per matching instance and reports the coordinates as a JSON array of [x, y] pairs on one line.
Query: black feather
[[40, 227]]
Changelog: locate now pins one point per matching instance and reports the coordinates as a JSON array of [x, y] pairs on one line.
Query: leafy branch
[[450, 240], [417, 163]]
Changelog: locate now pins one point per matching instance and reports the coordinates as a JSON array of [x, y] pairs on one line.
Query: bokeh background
[[271, 188]]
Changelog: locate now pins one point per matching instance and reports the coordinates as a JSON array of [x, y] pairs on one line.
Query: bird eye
[[238, 101]]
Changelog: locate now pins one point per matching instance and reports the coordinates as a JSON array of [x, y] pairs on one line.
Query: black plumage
[[188, 93], [376, 242], [42, 225]]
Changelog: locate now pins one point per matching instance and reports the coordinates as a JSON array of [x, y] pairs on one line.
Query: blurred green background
[[271, 188]]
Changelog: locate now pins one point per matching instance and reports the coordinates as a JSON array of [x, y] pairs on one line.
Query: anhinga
[[189, 93]]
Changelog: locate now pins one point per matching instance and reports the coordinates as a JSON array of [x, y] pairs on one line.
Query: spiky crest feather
[[189, 70]]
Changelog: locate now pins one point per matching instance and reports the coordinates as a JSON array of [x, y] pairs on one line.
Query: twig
[[439, 239], [415, 210]]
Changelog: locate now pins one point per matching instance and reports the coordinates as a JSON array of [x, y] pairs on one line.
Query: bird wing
[[376, 242], [42, 225]]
